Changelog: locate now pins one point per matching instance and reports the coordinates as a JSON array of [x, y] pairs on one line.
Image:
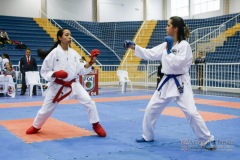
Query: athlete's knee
[[150, 110], [192, 114], [46, 111], [88, 102]]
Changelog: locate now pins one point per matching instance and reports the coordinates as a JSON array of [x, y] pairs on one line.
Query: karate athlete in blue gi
[[176, 57]]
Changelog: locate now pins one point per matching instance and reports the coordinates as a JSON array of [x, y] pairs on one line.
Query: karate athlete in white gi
[[176, 57], [61, 67]]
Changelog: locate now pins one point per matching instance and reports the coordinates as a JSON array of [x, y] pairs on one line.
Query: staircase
[[52, 31], [142, 39], [219, 40], [25, 30]]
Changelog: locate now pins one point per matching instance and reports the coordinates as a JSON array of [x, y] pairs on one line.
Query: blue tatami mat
[[174, 138]]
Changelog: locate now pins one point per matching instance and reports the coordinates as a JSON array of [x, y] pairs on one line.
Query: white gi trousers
[[186, 103], [78, 92]]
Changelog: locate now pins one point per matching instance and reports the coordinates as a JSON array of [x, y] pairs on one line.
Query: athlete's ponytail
[[183, 30], [42, 53]]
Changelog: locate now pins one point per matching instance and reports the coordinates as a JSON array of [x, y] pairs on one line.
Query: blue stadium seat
[[228, 53], [24, 30]]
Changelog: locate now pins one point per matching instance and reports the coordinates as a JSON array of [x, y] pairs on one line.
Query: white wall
[[120, 10], [234, 6], [108, 10], [20, 8], [155, 10], [70, 9], [129, 10]]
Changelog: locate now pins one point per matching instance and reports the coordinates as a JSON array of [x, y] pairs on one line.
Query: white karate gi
[[1, 65], [4, 61], [177, 62], [69, 61]]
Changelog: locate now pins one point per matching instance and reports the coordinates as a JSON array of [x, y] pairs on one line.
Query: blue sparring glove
[[128, 43], [170, 42]]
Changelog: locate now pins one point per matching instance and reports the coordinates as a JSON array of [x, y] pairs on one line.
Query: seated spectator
[[1, 65], [3, 37], [10, 71], [5, 59]]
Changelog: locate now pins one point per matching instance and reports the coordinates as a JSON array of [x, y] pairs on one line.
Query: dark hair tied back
[[42, 53], [183, 30]]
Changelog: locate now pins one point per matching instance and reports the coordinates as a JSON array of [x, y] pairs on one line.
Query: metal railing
[[70, 20], [53, 22], [124, 61], [207, 44], [216, 76], [201, 32]]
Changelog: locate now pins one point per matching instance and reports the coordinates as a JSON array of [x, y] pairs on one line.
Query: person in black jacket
[[159, 74], [199, 61], [27, 63]]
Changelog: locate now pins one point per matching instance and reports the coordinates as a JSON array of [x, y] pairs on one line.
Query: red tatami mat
[[53, 129], [207, 116]]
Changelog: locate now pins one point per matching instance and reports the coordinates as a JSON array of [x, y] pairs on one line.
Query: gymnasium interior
[[105, 25]]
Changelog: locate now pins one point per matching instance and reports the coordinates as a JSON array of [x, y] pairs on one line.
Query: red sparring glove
[[94, 53], [61, 74]]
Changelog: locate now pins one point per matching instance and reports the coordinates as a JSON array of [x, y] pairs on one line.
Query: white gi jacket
[[70, 62], [1, 64], [177, 62]]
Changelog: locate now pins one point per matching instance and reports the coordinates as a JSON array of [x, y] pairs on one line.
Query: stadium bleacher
[[228, 53], [160, 32], [89, 43], [104, 32], [26, 31]]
